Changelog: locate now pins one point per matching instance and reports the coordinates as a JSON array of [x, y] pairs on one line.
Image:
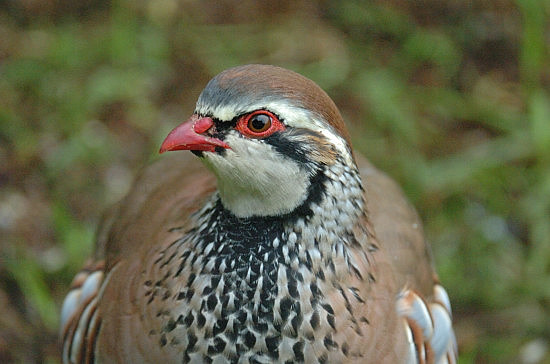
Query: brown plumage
[[194, 266]]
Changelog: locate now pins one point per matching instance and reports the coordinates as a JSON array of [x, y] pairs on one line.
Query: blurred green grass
[[450, 98]]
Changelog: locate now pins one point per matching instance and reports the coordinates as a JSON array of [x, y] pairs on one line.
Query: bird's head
[[268, 134]]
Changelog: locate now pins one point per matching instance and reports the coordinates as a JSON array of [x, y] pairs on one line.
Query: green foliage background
[[450, 97]]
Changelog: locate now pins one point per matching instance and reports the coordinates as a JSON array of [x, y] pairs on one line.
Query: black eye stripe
[[288, 147], [221, 127]]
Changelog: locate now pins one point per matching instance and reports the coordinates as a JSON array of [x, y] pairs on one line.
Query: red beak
[[189, 136]]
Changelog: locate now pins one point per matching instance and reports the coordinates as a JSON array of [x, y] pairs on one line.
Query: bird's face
[[265, 137]]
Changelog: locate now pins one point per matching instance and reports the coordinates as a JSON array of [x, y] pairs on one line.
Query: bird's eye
[[259, 124]]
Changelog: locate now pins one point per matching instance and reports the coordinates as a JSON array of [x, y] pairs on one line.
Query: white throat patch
[[255, 180]]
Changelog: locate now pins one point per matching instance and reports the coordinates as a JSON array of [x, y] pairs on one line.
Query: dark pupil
[[259, 122]]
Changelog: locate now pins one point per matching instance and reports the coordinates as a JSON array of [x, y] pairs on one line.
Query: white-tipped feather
[[412, 359], [79, 295], [440, 295], [442, 330], [412, 306], [91, 285], [70, 305], [434, 321], [80, 332]]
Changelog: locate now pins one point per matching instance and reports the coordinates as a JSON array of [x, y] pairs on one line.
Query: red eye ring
[[259, 124]]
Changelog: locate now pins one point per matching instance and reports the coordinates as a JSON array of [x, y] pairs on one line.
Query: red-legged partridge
[[290, 249]]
